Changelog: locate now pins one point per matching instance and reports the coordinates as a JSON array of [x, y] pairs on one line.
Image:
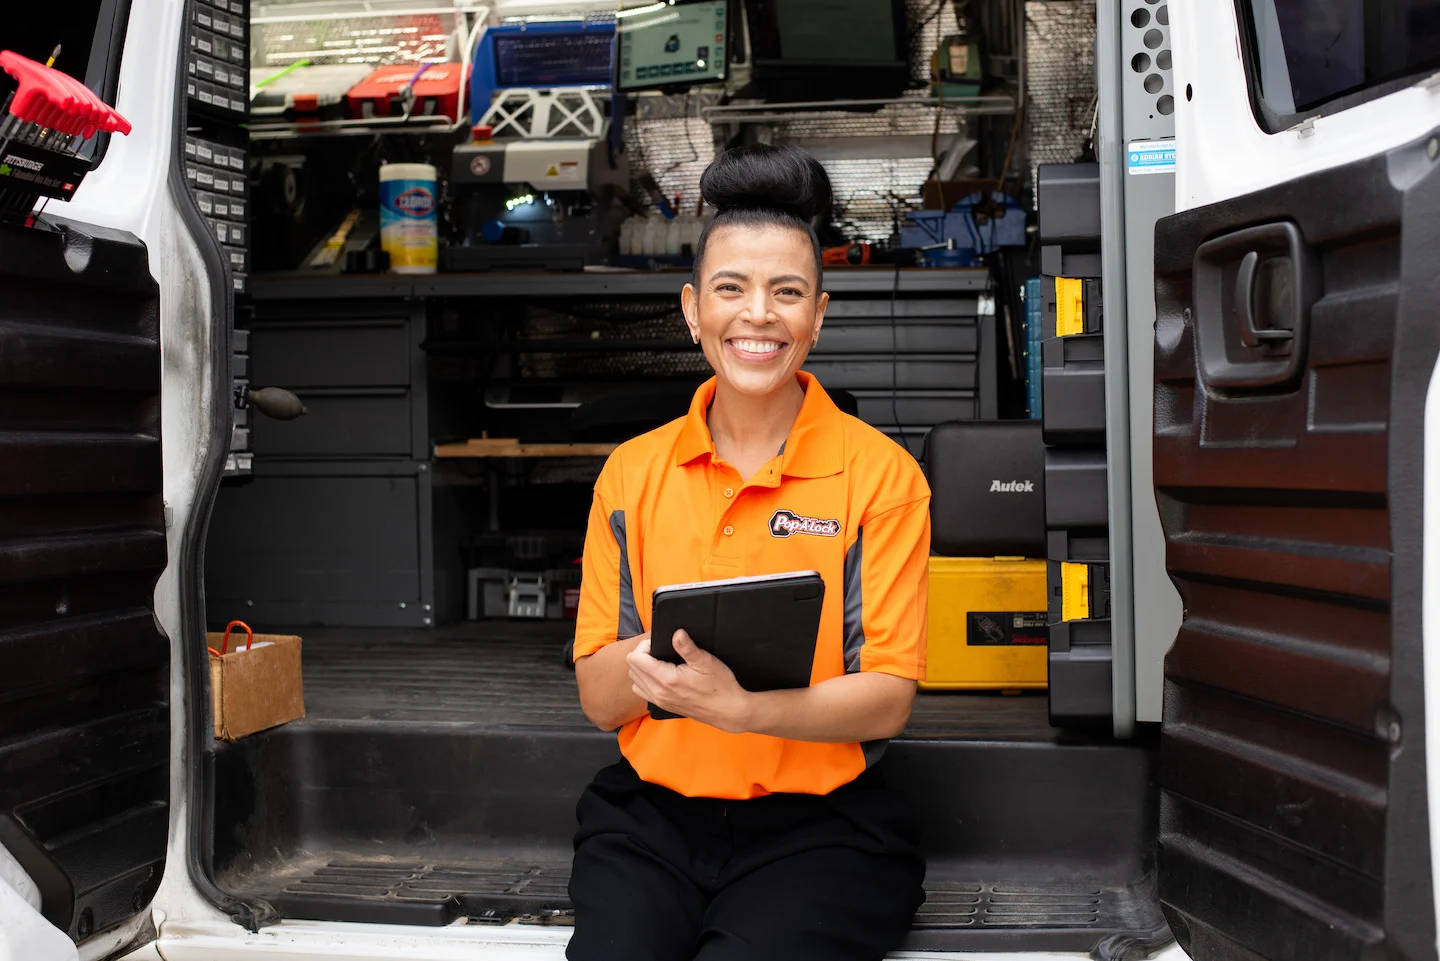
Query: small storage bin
[[987, 625], [1073, 376], [1076, 488]]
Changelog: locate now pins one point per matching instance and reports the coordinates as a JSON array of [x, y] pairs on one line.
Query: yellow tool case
[[987, 625]]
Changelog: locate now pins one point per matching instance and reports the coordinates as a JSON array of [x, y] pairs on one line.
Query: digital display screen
[[538, 59], [680, 44], [821, 34]]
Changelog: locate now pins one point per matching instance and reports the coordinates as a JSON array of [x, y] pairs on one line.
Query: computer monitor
[[671, 46], [829, 49]]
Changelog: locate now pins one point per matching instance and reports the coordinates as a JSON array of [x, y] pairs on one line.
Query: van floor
[[513, 674], [435, 774]]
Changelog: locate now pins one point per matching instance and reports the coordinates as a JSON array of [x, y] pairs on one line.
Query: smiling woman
[[754, 824]]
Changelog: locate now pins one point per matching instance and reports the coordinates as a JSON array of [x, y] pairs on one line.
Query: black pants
[[662, 877]]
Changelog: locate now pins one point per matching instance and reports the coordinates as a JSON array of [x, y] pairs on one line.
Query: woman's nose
[[758, 308]]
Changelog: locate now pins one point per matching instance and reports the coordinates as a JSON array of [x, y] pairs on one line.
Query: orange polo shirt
[[839, 498]]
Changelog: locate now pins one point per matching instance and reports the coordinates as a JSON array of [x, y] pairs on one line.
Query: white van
[[1270, 795]]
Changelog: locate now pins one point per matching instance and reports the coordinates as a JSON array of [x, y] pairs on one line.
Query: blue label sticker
[[1150, 157]]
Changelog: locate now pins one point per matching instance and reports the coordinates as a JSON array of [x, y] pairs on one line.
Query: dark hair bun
[[763, 177]]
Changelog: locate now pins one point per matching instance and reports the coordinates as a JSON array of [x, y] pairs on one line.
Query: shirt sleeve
[[607, 599], [887, 589]]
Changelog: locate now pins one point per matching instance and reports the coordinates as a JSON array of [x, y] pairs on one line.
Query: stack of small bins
[[1076, 497], [1034, 341]]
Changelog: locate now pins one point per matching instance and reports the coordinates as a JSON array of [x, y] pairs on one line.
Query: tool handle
[[275, 402], [225, 641]]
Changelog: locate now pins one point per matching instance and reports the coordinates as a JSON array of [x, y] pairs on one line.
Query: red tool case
[[436, 87]]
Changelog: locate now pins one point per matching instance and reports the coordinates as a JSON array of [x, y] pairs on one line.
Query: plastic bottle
[[653, 236], [637, 236], [673, 235]]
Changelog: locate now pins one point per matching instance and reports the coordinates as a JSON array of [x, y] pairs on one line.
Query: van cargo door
[[84, 669], [1296, 341]]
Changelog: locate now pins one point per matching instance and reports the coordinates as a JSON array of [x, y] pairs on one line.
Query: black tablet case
[[765, 631]]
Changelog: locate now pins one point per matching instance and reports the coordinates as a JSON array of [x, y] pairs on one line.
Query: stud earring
[[694, 337]]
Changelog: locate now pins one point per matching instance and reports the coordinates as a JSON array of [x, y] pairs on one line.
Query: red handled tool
[[225, 641], [42, 126]]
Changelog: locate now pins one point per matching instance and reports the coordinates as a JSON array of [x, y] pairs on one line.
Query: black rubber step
[[1064, 917]]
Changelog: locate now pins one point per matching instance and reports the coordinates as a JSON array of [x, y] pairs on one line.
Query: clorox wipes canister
[[407, 217]]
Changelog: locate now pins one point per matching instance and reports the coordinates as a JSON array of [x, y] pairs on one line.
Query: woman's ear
[[690, 307], [820, 305]]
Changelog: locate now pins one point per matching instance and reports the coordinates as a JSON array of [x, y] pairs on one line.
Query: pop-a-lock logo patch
[[785, 523]]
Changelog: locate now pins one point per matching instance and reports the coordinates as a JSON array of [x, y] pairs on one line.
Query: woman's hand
[[702, 688]]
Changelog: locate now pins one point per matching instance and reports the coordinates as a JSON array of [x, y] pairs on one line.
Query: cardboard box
[[254, 686]]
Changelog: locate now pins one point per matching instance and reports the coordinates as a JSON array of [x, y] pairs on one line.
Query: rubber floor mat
[[534, 891], [387, 891]]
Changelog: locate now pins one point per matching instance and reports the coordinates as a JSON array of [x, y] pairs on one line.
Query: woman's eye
[[789, 292], [728, 288]]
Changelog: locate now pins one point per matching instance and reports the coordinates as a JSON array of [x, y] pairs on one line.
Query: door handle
[[1250, 334], [1234, 352]]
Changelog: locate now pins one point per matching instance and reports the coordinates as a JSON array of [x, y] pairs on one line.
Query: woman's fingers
[[691, 653]]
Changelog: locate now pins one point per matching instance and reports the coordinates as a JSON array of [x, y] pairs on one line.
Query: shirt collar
[[815, 447]]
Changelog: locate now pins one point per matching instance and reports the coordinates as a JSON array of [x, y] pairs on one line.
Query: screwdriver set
[[43, 125]]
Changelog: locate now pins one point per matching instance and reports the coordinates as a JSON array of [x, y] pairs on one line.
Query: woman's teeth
[[757, 346]]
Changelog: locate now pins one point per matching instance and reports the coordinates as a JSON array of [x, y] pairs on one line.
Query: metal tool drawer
[[341, 422], [331, 353]]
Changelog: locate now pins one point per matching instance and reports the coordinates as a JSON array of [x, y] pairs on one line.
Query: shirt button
[[729, 530], [729, 492]]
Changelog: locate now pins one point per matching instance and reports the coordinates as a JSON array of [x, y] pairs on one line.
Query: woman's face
[[757, 308]]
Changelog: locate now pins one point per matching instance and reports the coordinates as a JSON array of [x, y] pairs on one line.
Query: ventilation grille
[[958, 905], [1147, 77], [1152, 20]]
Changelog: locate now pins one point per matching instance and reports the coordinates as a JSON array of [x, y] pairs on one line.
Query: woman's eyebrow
[[791, 279], [733, 274]]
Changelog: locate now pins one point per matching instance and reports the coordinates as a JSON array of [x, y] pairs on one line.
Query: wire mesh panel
[[611, 365], [282, 38], [594, 340], [1060, 77], [878, 159], [929, 20], [671, 141], [639, 320]]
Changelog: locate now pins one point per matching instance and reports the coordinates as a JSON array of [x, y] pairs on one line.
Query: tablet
[[763, 628]]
